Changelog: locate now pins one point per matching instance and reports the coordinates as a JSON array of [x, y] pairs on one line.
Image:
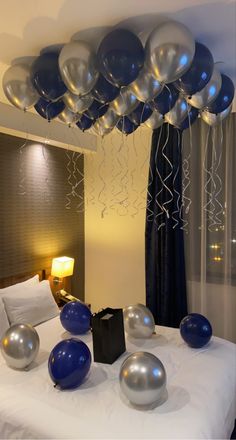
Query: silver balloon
[[146, 87], [77, 104], [155, 120], [20, 345], [110, 119], [125, 103], [170, 50], [138, 321], [18, 88], [106, 123], [178, 113], [143, 379], [77, 64], [213, 119], [100, 130], [68, 117], [209, 93]]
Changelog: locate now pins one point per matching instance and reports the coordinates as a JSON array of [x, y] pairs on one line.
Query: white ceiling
[[27, 26]]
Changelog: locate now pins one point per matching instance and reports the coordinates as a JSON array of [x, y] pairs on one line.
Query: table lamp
[[62, 267]]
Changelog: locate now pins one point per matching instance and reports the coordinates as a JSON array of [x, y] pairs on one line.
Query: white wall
[[114, 244]]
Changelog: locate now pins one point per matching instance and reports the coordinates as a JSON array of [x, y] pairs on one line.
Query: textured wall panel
[[35, 225]]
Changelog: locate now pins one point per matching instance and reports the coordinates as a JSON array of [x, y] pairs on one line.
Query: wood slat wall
[[35, 225]]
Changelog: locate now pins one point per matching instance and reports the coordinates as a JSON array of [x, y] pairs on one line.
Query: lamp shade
[[62, 267]]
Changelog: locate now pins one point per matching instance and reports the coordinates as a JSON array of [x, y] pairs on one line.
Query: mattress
[[201, 400]]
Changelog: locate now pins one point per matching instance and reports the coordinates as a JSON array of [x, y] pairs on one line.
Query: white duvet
[[201, 399]]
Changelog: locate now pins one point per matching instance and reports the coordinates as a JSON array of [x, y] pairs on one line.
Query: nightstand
[[64, 297]]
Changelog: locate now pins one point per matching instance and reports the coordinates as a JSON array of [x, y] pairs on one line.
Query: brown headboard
[[14, 279]]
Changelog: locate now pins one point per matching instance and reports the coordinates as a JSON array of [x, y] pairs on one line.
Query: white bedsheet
[[201, 394]]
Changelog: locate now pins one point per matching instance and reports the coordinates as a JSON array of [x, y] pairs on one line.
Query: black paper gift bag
[[108, 335]]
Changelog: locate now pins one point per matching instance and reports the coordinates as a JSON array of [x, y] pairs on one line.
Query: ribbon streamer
[[209, 206], [103, 189], [216, 161], [177, 211], [186, 201], [21, 184]]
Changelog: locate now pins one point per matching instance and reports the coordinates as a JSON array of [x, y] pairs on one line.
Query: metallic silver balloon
[[213, 119], [125, 103], [138, 321], [100, 130], [106, 123], [18, 88], [155, 121], [209, 93], [68, 117], [77, 64], [110, 119], [178, 113], [77, 104], [146, 87], [170, 50], [143, 379], [20, 345]]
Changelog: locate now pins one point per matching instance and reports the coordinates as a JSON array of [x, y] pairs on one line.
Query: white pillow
[[4, 324], [32, 306], [20, 287]]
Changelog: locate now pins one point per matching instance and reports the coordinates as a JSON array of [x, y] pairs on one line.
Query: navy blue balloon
[[199, 73], [96, 110], [69, 363], [76, 317], [140, 114], [195, 330], [46, 78], [166, 100], [49, 110], [104, 91], [225, 96], [120, 57], [84, 123], [126, 126], [190, 119]]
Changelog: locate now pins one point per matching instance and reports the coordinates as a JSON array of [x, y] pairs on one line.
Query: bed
[[200, 404], [201, 401]]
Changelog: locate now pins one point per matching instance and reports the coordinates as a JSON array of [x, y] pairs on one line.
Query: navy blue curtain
[[165, 264]]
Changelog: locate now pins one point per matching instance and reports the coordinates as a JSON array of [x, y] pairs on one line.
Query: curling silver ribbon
[[120, 199], [47, 191], [125, 179], [112, 174], [221, 210], [216, 160], [209, 206], [186, 201], [102, 192], [132, 173], [143, 192], [21, 184], [177, 211], [78, 188], [90, 182], [69, 181], [159, 214], [168, 176], [163, 181], [115, 200]]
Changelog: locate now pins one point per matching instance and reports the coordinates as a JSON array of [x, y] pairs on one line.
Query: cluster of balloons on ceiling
[[173, 79]]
